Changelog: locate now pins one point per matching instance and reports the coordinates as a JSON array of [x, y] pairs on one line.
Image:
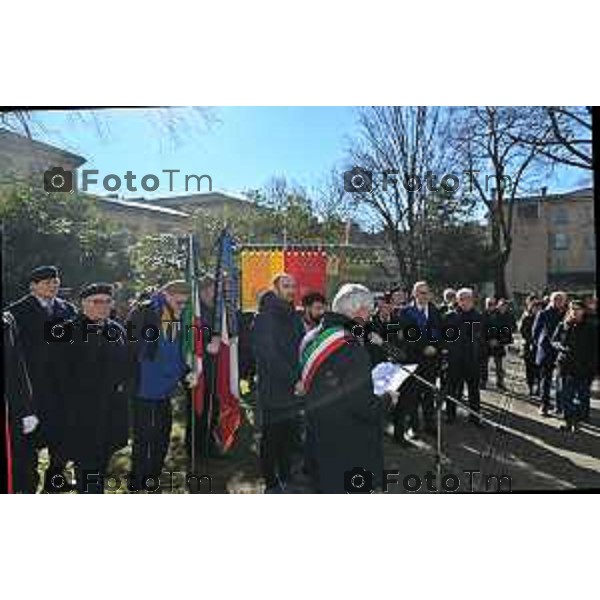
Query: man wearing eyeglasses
[[88, 376], [31, 313]]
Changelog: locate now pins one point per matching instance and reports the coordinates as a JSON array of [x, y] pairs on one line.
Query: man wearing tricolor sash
[[344, 417]]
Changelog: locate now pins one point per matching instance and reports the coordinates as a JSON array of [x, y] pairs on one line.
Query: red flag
[[228, 386]]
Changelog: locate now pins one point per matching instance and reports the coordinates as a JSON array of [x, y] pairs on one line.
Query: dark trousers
[[546, 376], [90, 473], [54, 475], [26, 475], [574, 394], [278, 442], [532, 373], [24, 463], [456, 381], [152, 420], [499, 368], [416, 394]]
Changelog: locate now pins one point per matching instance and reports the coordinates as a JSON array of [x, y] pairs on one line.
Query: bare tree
[[561, 134], [173, 123], [403, 147], [498, 164]]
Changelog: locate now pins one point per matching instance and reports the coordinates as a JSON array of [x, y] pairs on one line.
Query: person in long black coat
[[345, 417], [544, 326], [90, 382], [576, 342], [33, 314], [464, 353], [532, 372], [494, 346], [276, 335], [21, 420]]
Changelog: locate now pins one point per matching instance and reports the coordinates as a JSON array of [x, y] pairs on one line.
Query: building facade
[[554, 243]]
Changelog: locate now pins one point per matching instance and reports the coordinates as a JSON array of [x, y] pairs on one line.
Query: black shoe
[[501, 386], [544, 411]]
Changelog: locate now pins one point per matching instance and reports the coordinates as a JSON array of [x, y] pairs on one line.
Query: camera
[[58, 180], [358, 481], [58, 332], [358, 180]]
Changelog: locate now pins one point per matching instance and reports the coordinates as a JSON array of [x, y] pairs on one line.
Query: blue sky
[[239, 147]]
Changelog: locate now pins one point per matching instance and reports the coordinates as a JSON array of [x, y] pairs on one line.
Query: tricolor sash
[[316, 348]]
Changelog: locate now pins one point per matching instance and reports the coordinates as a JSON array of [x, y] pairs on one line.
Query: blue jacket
[[160, 364], [544, 326]]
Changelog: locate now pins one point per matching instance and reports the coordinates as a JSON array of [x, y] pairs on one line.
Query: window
[[590, 241], [560, 215], [560, 241], [528, 211]]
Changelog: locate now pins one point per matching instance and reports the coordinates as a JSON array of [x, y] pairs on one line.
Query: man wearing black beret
[[32, 314], [89, 384]]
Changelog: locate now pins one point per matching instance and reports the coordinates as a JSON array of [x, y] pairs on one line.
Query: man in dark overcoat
[[345, 417], [90, 377], [34, 314]]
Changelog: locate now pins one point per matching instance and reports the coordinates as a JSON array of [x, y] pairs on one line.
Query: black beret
[[43, 272], [96, 288]]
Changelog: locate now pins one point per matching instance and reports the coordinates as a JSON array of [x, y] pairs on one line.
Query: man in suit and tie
[[420, 319], [35, 314]]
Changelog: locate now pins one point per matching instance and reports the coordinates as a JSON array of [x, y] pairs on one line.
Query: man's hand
[[430, 351], [213, 345], [299, 388], [30, 422], [375, 338]]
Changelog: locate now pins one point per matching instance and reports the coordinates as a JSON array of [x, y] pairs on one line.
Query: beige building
[[23, 159], [554, 242]]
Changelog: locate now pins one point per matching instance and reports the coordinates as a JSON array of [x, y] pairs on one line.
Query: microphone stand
[[439, 396]]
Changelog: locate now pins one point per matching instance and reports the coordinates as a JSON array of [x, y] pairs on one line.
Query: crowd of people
[[316, 410], [329, 393]]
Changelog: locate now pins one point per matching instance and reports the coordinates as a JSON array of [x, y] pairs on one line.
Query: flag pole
[[192, 272]]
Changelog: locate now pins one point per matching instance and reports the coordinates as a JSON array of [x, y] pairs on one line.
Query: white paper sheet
[[388, 377]]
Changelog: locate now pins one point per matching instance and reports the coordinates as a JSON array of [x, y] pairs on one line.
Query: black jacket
[[276, 335], [344, 416], [89, 383], [526, 331], [577, 347], [31, 319], [465, 353]]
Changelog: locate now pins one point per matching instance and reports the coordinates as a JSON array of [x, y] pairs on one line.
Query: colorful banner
[[309, 269], [259, 267]]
